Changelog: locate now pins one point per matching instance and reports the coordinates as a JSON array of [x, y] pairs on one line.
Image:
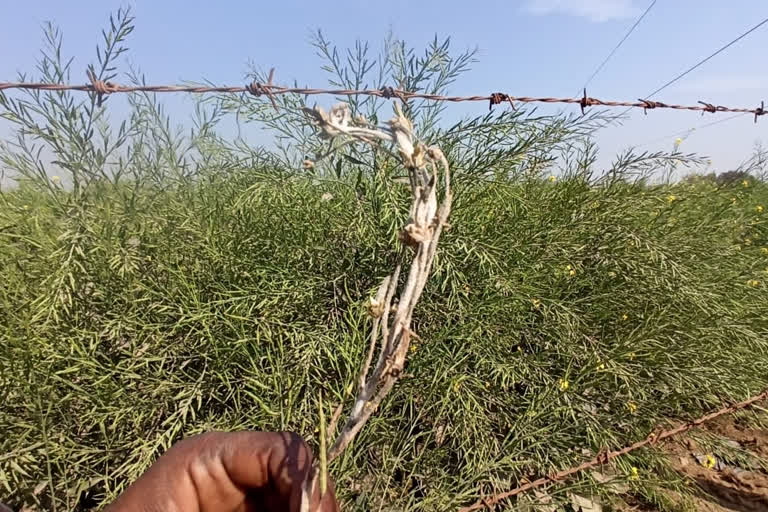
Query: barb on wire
[[497, 98], [586, 101], [257, 89], [709, 107], [100, 87], [651, 104], [271, 90], [604, 456], [760, 111]]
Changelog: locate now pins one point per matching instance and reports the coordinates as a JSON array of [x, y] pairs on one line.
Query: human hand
[[229, 472]]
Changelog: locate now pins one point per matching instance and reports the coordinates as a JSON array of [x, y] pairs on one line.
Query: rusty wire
[[102, 88], [605, 455]]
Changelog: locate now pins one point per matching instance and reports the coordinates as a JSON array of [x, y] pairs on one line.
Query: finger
[[327, 502], [188, 476], [277, 462], [280, 460]]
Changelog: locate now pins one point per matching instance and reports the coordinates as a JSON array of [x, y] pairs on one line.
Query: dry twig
[[392, 307]]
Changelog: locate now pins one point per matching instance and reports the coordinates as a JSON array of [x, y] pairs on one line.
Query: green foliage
[[229, 303], [187, 283], [74, 130]]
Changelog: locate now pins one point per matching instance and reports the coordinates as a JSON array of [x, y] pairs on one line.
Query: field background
[[158, 283]]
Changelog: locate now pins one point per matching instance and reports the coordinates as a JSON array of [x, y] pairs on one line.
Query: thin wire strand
[[615, 48], [719, 51], [702, 61], [691, 130]]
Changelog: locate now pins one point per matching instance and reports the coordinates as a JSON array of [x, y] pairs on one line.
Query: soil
[[723, 487]]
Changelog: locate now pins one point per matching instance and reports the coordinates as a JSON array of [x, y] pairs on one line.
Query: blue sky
[[526, 47]]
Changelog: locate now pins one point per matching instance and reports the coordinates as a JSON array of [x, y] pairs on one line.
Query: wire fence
[[102, 88], [606, 455]]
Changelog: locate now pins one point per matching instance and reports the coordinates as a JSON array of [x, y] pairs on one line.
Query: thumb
[[312, 498]]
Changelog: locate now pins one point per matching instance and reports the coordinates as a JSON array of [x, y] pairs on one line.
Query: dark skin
[[228, 472]]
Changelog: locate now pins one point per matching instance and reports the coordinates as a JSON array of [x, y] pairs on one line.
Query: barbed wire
[[102, 88], [604, 456]]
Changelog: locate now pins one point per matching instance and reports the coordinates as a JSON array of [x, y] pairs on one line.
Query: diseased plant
[[393, 305], [574, 308]]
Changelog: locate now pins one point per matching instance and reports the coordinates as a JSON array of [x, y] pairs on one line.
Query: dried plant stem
[[392, 313], [394, 335], [427, 221], [323, 451]]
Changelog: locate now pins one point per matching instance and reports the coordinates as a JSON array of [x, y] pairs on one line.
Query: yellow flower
[[759, 208], [55, 179], [745, 183], [413, 347], [753, 283], [625, 317], [536, 303], [709, 462], [764, 250], [733, 200], [632, 356], [572, 272], [26, 207], [552, 179], [678, 141], [634, 474], [487, 385], [564, 384], [601, 366], [632, 406], [671, 198], [456, 386]]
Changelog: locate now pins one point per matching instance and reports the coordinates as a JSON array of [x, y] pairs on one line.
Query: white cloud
[[594, 10]]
